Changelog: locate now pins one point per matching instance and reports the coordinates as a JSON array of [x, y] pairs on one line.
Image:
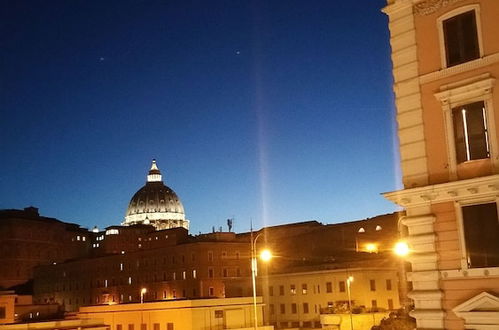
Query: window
[[372, 285], [156, 326], [211, 292], [305, 308], [282, 308], [194, 274], [342, 286], [390, 303], [281, 290], [210, 272], [271, 309], [294, 309], [169, 326], [388, 285], [470, 132], [119, 327], [292, 289], [271, 290], [460, 38], [143, 326], [225, 272], [374, 303], [219, 314], [130, 326], [304, 288], [210, 255], [329, 287], [481, 235]]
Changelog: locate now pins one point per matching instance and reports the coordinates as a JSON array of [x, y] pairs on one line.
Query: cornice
[[446, 192], [427, 7], [482, 84], [461, 68], [421, 7]]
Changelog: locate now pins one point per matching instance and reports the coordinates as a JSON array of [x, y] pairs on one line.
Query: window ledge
[[471, 272], [460, 68]]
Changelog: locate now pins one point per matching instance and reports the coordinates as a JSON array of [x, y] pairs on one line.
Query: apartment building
[[445, 63]]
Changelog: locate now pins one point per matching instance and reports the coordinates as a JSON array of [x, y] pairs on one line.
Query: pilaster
[[425, 276]]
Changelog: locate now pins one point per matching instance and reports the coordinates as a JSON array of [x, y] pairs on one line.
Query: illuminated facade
[[298, 299], [445, 62], [200, 314], [169, 264]]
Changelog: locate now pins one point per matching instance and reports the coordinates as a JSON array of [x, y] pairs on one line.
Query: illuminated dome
[[156, 204]]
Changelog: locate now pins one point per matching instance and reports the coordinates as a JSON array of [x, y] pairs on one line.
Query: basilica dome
[[156, 204]]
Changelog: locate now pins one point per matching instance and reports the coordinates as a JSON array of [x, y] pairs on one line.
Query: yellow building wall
[[227, 313], [317, 297], [7, 302]]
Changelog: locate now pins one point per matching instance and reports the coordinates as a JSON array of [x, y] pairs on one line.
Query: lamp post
[[401, 249], [265, 255], [142, 293], [349, 281]]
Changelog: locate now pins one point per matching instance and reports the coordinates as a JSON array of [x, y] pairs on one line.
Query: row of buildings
[[445, 56], [153, 258]]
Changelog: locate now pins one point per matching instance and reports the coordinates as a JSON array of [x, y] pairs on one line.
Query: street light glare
[[371, 247], [143, 291], [401, 249], [265, 255]]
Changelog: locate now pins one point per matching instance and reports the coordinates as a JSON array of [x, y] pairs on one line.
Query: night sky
[[270, 111]]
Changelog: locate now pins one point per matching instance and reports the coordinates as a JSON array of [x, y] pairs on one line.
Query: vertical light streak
[[466, 141], [486, 132]]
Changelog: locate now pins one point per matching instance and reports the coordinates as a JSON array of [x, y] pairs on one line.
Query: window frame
[[475, 89], [441, 37], [462, 239]]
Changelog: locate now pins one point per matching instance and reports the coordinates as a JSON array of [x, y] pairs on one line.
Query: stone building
[[445, 62], [28, 240], [298, 299]]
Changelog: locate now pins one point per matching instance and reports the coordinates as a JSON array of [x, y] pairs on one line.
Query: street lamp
[[349, 282], [265, 255], [401, 249], [142, 293]]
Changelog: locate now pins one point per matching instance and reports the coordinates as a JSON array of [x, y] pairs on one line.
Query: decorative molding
[[465, 67], [470, 273], [479, 312], [446, 192], [465, 89], [428, 7]]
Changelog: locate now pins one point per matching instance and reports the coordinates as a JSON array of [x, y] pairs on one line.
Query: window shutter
[[481, 231], [459, 139], [461, 38], [476, 130]]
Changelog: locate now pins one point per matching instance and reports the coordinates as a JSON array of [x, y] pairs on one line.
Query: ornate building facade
[[445, 57]]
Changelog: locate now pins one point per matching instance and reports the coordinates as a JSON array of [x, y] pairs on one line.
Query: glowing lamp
[[401, 249], [371, 247], [265, 255]]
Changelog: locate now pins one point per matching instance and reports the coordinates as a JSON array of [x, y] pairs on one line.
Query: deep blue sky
[[276, 111]]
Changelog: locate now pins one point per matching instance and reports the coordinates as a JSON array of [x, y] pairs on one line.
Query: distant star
[[101, 59]]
